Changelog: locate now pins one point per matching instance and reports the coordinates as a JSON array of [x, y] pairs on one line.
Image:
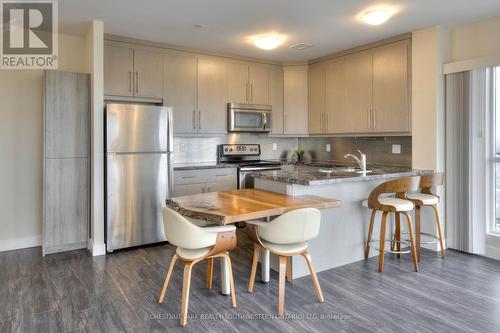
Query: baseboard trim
[[492, 252], [20, 243], [96, 249]]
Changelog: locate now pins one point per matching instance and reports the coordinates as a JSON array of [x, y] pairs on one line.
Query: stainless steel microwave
[[249, 117]]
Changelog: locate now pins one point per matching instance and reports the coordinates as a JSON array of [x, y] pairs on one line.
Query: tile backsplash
[[377, 149], [204, 149]]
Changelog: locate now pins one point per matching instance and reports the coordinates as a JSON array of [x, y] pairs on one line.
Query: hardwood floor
[[119, 293]]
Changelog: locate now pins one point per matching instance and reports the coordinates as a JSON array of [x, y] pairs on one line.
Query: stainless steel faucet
[[361, 161]]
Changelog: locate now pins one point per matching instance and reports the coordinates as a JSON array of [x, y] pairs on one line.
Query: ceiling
[[330, 25]]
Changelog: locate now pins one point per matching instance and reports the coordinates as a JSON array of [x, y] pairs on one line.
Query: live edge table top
[[241, 205]]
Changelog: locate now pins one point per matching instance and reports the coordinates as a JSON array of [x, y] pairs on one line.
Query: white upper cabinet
[[295, 99], [317, 114], [276, 98], [366, 92], [238, 87], [212, 96], [132, 72], [148, 74], [258, 78], [180, 91], [118, 71], [391, 109]]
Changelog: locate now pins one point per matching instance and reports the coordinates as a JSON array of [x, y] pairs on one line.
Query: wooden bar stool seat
[[390, 197], [286, 236], [427, 199], [195, 244]]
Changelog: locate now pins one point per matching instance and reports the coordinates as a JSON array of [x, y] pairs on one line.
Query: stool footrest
[[374, 244], [435, 239]]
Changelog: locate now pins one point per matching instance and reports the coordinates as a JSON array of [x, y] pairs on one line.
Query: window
[[496, 157]]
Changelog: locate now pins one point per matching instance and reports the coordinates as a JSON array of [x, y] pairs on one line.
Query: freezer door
[[138, 128], [137, 186]]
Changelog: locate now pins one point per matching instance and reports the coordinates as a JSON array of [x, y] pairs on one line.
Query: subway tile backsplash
[[377, 149], [204, 149]]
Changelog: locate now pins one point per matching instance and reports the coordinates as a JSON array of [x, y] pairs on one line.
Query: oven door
[[244, 178], [247, 120]]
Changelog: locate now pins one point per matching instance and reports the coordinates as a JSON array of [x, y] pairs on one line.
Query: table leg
[[224, 277], [264, 263]]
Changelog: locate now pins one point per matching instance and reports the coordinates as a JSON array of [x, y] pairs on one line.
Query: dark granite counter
[[325, 174], [201, 165]]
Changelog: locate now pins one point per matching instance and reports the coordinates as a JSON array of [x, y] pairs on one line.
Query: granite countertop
[[313, 174], [201, 165]]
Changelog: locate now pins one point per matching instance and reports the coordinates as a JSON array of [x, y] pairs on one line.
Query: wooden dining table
[[233, 206]]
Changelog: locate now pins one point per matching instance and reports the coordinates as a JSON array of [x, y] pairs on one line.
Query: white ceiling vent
[[300, 46]]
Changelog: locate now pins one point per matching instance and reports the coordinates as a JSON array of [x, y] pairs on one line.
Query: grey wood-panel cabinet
[[66, 204], [66, 115], [66, 155], [317, 85]]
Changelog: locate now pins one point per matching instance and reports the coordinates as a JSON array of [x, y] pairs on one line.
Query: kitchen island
[[343, 230]]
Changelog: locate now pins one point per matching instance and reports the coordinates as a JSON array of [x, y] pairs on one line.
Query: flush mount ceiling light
[[267, 42], [375, 16]]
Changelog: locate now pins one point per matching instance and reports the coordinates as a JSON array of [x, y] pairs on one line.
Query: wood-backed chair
[[286, 236], [378, 201], [427, 199], [195, 244]]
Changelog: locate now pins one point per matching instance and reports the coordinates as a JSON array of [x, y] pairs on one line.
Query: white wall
[[474, 40], [21, 146]]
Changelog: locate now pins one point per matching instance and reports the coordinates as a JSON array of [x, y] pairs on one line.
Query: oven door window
[[248, 120]]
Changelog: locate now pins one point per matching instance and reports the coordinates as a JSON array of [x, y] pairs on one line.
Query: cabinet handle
[[369, 118], [326, 123], [374, 118], [203, 189], [129, 81], [220, 175], [194, 120], [284, 124], [188, 177], [199, 119], [137, 82], [251, 92], [321, 121], [246, 92], [208, 189]]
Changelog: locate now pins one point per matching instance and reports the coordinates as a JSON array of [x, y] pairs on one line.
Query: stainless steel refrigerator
[[139, 173]]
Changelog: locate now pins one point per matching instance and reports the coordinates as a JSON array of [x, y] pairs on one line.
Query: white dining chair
[[286, 236], [195, 244]]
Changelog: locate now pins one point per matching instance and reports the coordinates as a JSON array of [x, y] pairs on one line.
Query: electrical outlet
[[182, 147], [396, 149], [275, 146], [328, 148]]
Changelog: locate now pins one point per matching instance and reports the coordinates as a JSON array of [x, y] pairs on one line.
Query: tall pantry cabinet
[[65, 161]]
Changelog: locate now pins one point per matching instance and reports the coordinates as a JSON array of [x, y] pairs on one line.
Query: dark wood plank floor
[[73, 292]]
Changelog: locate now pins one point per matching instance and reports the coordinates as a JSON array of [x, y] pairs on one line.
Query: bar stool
[[286, 236], [195, 244], [397, 204], [427, 199]]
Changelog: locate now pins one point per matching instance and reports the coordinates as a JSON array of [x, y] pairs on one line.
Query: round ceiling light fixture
[[267, 42], [375, 16]]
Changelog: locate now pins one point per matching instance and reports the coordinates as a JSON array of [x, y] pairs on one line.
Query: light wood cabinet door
[[212, 96], [220, 186], [238, 88], [391, 109], [349, 93], [295, 99], [118, 71], [317, 86], [258, 78], [188, 189], [276, 98], [180, 91], [148, 74]]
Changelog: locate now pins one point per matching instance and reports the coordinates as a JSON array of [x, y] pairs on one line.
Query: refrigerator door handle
[[170, 193]]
